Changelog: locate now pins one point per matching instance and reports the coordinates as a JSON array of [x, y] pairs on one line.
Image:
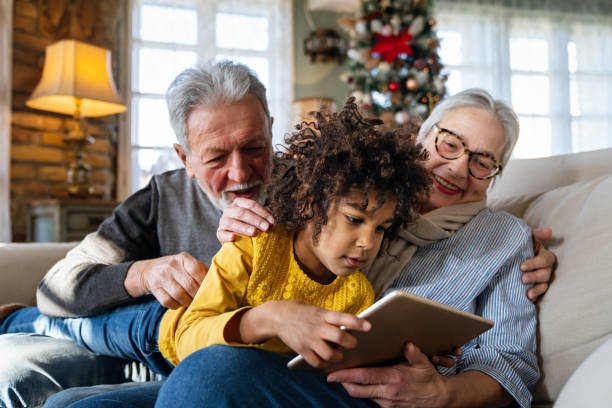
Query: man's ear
[[182, 154]]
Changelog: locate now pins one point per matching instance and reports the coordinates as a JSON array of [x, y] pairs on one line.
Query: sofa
[[572, 194]]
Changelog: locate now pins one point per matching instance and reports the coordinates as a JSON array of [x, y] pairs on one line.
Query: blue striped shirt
[[477, 270]]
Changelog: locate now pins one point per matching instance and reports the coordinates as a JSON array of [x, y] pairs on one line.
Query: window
[[555, 69], [171, 35]]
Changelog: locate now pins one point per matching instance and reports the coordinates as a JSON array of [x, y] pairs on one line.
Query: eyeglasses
[[450, 146]]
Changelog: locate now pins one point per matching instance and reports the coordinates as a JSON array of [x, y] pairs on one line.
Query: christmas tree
[[394, 68]]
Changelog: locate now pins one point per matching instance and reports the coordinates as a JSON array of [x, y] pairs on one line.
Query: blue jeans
[[224, 376], [34, 367], [128, 332], [128, 395]]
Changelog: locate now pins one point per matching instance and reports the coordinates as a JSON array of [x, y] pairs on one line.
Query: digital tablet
[[399, 317]]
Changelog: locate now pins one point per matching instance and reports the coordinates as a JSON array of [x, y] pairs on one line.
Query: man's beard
[[224, 200]]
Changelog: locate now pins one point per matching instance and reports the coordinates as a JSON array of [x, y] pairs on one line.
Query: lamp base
[[78, 173]]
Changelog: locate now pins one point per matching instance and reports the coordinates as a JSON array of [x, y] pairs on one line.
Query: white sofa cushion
[[22, 266], [576, 312], [589, 385]]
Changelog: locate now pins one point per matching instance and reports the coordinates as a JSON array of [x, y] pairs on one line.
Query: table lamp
[[77, 81]]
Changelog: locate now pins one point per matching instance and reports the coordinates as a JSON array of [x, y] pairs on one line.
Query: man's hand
[[413, 383], [538, 270], [174, 279], [244, 217]]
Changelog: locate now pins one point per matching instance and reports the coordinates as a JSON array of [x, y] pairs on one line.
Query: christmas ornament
[[360, 27], [396, 21], [412, 84], [417, 25], [376, 26], [384, 67], [421, 77], [402, 117], [387, 31], [393, 86]]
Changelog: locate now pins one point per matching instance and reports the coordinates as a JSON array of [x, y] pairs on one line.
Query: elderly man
[[160, 240]]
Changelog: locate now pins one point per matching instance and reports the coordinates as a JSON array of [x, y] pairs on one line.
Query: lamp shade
[[76, 79]]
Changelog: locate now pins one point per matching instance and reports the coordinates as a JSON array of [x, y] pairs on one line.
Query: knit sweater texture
[[245, 274]]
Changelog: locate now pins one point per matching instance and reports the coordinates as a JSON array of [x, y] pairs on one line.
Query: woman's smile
[[445, 186]]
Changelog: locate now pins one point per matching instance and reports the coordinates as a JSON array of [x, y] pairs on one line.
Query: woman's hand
[[447, 361], [311, 331], [538, 270], [244, 217], [416, 383]]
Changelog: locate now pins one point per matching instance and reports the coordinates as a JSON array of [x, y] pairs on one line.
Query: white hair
[[209, 84], [479, 99]]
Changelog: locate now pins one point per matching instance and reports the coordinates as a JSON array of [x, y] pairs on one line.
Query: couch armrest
[[22, 266]]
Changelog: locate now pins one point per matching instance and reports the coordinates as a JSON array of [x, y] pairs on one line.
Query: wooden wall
[[38, 154]]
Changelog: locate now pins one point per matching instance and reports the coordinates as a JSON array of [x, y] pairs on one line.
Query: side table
[[65, 219]]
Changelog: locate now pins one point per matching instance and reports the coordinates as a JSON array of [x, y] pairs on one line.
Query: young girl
[[338, 188]]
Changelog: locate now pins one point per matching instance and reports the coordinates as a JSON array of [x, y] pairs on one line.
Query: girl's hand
[[315, 332]]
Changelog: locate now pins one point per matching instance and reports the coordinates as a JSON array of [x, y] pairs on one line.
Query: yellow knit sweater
[[247, 273]]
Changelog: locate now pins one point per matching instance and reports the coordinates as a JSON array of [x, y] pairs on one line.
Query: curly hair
[[325, 159]]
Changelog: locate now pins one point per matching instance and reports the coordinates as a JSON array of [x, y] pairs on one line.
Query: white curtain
[[6, 25], [168, 36], [552, 60]]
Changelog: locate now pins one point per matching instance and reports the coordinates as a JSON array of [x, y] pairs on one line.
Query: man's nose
[[239, 169]]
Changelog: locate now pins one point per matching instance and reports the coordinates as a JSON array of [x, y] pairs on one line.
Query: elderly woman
[[459, 252]]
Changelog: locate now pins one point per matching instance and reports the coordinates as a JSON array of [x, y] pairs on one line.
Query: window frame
[[499, 73]]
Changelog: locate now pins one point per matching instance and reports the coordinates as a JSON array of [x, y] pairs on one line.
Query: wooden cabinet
[[65, 219]]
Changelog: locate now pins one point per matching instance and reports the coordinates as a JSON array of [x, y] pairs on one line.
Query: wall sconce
[[77, 81], [324, 45]]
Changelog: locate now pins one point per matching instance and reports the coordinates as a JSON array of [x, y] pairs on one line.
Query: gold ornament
[[432, 22], [412, 84]]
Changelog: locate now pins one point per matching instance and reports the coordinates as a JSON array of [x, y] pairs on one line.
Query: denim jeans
[[128, 332], [128, 395], [34, 367], [224, 376]]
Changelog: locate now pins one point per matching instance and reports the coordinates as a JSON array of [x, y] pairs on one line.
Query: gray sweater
[[170, 215]]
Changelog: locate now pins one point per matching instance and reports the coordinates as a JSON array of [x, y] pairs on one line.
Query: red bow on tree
[[392, 46]]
